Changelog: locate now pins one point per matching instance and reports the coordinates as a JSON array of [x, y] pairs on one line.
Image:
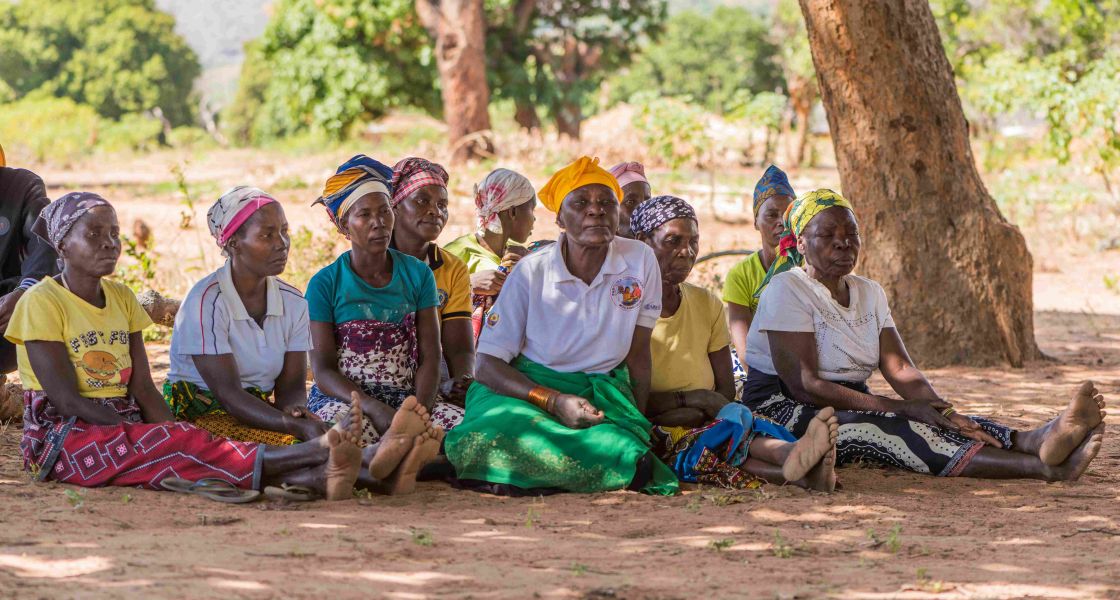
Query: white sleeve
[[503, 331], [299, 332], [782, 308], [202, 324], [883, 308], [651, 296]]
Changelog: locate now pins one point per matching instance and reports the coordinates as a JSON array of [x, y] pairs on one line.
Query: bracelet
[[543, 398], [948, 411]]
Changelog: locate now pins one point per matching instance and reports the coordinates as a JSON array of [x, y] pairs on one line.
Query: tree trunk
[[569, 117], [459, 30], [525, 114], [957, 273]]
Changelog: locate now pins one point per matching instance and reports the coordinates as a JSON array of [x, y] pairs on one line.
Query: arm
[[694, 407], [487, 283], [739, 322], [640, 363], [457, 338], [60, 383], [331, 381], [430, 354], [496, 374], [140, 385]]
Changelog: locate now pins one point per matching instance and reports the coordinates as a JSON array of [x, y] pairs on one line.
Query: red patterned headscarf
[[413, 173]]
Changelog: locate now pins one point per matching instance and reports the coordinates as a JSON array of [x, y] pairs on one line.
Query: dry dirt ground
[[885, 535]]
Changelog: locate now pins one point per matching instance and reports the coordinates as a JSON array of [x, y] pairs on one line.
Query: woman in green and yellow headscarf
[[563, 369]]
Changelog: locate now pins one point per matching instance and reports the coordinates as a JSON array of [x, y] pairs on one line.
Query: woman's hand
[[458, 393], [487, 283], [304, 424], [576, 412], [972, 430], [924, 412], [705, 400]]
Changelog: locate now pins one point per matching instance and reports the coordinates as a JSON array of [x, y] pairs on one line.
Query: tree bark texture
[[957, 274], [458, 28]]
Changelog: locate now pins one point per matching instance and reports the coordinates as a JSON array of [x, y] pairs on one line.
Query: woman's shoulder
[[450, 260], [208, 284], [694, 293], [118, 289], [330, 272], [460, 246]]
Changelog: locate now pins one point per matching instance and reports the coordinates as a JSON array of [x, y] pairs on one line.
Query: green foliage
[[672, 129], [712, 58], [118, 56], [47, 127], [133, 132]]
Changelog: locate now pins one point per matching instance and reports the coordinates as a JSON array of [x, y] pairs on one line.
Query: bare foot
[[425, 447], [807, 452], [391, 450], [1066, 433], [1078, 461], [823, 476], [345, 460]]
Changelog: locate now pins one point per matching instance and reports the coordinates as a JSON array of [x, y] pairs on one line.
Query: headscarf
[[353, 179], [414, 173], [797, 217], [773, 183], [230, 212], [500, 190], [58, 218], [629, 172], [657, 211], [584, 171], [3, 160]]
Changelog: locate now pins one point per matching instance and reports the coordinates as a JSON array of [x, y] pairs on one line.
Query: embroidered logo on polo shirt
[[443, 296], [626, 292], [492, 319]]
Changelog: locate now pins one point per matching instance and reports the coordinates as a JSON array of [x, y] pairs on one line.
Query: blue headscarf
[[773, 183], [354, 174]]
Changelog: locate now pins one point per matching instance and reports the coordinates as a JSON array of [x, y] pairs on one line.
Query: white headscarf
[[500, 190], [232, 210]]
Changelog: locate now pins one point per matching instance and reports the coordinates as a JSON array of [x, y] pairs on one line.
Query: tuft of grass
[[422, 537], [579, 569], [75, 498], [894, 539], [531, 516], [721, 545], [126, 498], [782, 548]]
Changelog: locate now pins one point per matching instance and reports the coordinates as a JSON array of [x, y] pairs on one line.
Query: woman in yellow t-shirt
[[93, 416], [772, 195], [698, 430]]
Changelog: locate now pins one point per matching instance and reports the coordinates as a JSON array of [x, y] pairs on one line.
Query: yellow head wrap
[[3, 161], [584, 171], [798, 215]]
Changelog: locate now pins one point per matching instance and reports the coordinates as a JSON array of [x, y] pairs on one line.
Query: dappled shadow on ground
[[885, 535]]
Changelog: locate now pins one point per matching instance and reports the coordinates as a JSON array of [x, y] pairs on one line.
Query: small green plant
[[139, 273], [76, 499], [694, 504], [1112, 283], [721, 545], [894, 539], [126, 498], [422, 537], [186, 216], [579, 569], [782, 548], [531, 516]]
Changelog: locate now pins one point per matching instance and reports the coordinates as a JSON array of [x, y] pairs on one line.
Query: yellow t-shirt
[[743, 280], [95, 338], [681, 343], [453, 284]]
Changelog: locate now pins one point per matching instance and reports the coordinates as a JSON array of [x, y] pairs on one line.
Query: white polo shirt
[[557, 320], [213, 320]]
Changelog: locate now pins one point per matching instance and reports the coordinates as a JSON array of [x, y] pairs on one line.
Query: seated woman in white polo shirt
[[239, 347], [563, 360]]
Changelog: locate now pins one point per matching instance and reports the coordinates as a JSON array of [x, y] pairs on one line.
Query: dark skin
[[676, 244], [768, 222], [257, 251], [831, 244], [369, 227], [588, 218], [420, 218], [517, 225], [633, 194]]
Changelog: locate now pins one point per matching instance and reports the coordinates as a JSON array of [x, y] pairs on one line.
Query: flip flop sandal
[[211, 488], [291, 493]]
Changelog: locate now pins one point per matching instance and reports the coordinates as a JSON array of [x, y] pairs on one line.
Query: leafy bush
[[45, 128]]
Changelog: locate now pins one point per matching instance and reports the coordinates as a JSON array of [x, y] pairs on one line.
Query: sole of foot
[[425, 448], [823, 476], [345, 460], [391, 450], [1085, 411], [819, 439], [1079, 460]]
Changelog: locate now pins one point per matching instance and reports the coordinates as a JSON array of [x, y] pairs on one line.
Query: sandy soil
[[885, 535]]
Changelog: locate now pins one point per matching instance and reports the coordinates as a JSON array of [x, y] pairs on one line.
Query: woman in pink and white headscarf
[[631, 178]]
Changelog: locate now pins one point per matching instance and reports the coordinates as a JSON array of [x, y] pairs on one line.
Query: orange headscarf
[[584, 171], [3, 161]]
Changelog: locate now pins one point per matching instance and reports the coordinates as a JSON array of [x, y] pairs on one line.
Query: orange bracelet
[[544, 398]]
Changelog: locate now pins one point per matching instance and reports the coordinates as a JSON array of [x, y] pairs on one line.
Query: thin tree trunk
[[525, 114], [459, 30], [957, 273]]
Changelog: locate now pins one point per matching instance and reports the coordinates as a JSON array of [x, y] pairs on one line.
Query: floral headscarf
[[657, 211], [773, 183], [502, 189], [798, 215], [231, 211]]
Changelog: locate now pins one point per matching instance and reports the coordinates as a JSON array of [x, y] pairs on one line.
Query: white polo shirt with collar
[[555, 319], [213, 320]]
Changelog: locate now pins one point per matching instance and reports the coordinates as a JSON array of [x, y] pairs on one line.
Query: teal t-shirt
[[337, 295]]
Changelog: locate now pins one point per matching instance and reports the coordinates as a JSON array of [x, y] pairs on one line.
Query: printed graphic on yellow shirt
[[103, 369], [627, 292], [443, 296]]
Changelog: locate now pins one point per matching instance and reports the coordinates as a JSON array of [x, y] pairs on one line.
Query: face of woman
[[633, 194], [769, 220], [831, 242], [520, 220], [589, 215], [676, 245], [93, 245], [423, 214], [369, 224], [261, 244]]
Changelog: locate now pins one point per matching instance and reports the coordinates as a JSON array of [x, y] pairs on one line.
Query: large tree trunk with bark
[[958, 275], [458, 28]]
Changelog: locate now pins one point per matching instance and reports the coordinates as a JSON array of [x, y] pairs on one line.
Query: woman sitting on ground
[[635, 188], [820, 332], [420, 211], [93, 416], [699, 431], [772, 195], [564, 363], [505, 201], [374, 312], [239, 347]]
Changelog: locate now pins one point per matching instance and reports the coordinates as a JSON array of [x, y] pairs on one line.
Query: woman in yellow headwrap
[[821, 331], [563, 367]]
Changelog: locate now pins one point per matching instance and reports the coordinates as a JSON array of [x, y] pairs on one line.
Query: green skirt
[[510, 441]]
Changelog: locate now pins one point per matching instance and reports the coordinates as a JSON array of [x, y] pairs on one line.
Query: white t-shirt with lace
[[847, 337]]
